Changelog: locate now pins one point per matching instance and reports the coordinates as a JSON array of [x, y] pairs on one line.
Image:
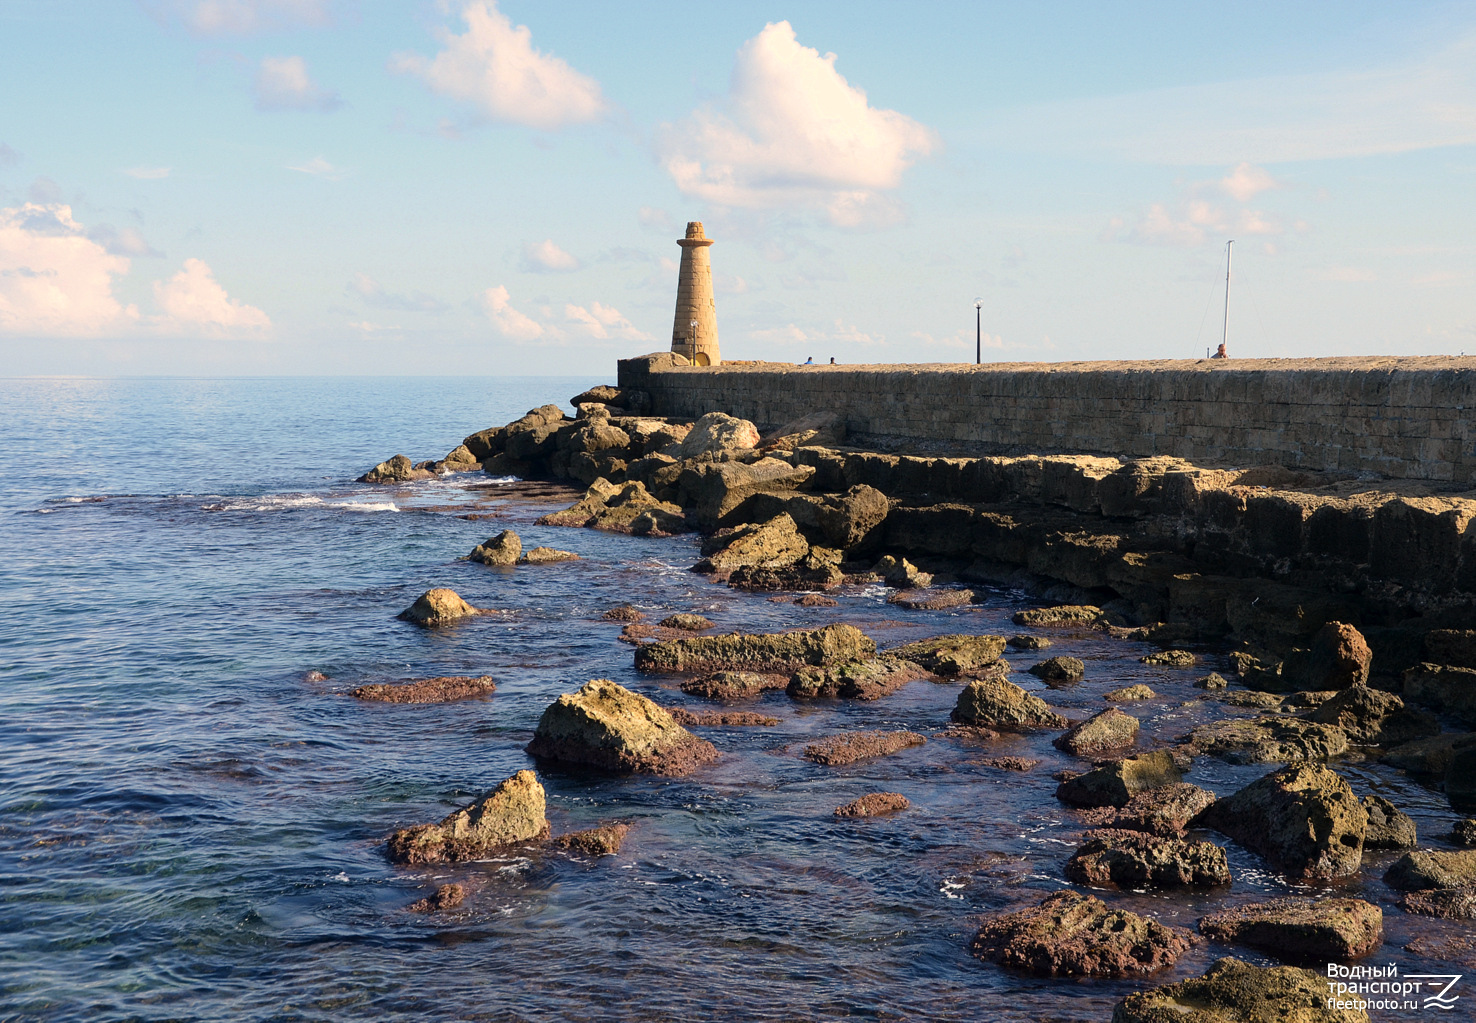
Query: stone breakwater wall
[[1401, 418]]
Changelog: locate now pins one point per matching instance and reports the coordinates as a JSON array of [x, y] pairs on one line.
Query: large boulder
[[1372, 717], [773, 544], [716, 492], [619, 509], [597, 435], [859, 680], [607, 726], [602, 394], [1304, 819], [1337, 658], [853, 519], [486, 443], [1069, 934], [1106, 730], [437, 607], [1443, 689], [834, 644], [815, 428], [1268, 740], [398, 469], [1165, 810], [1235, 992], [503, 549], [1137, 859], [1301, 930], [509, 815], [1429, 757], [952, 655], [1432, 868], [720, 436], [1115, 783], [999, 703], [1388, 826]]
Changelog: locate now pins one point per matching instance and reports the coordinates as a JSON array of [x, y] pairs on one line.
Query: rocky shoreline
[[1345, 610]]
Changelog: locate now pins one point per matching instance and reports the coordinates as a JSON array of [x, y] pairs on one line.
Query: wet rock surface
[[546, 556], [437, 607], [874, 804], [1136, 859], [1170, 659], [1266, 740], [998, 703], [859, 680], [446, 896], [1388, 826], [427, 690], [1371, 717], [1445, 903], [1116, 783], [604, 840], [849, 747], [1304, 819], [1059, 669], [503, 549], [607, 726], [1164, 810], [721, 718], [1069, 934], [1067, 614], [831, 645], [951, 655], [509, 815], [1433, 868], [686, 622], [1103, 732], [1130, 694], [1301, 930], [733, 685], [1235, 992]]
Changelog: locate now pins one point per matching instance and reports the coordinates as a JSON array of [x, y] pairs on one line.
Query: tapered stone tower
[[694, 332]]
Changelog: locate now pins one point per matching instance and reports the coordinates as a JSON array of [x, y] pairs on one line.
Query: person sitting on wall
[[809, 362], [832, 360], [1220, 352]]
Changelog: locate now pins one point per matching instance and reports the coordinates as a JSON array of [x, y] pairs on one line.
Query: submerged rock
[[1021, 764], [1446, 903], [398, 469], [874, 804], [848, 747], [546, 556], [1304, 819], [1137, 859], [1388, 826], [604, 840], [951, 655], [1069, 934], [607, 726], [834, 644], [1235, 992], [1059, 669], [1130, 694], [1268, 740], [1116, 783], [721, 718], [1432, 868], [503, 549], [1372, 717], [447, 896], [998, 703], [623, 613], [427, 690], [1165, 810], [1106, 730], [437, 607], [732, 685], [511, 814], [816, 600], [1170, 659], [1069, 614], [1301, 930], [859, 680], [932, 600]]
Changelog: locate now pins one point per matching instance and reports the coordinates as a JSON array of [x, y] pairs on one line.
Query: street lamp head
[[978, 303]]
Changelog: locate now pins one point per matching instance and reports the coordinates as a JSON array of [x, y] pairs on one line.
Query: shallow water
[[191, 830]]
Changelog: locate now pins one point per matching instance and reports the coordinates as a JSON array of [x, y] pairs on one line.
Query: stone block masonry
[[1401, 418]]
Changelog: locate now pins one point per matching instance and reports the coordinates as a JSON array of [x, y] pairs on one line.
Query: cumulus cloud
[[283, 83], [509, 322], [1247, 181], [595, 321], [320, 168], [602, 322], [1200, 215], [494, 67], [373, 293], [793, 132], [546, 257], [54, 280], [147, 173], [243, 17], [194, 300]]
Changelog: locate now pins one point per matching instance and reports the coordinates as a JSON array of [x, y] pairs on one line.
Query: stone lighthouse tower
[[694, 332]]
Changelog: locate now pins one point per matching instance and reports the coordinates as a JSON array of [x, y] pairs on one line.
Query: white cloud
[[147, 173], [320, 168], [193, 300], [1246, 181], [509, 322], [127, 241], [655, 217], [54, 280], [1193, 220], [495, 68], [283, 83], [546, 257], [373, 293], [602, 322], [243, 17], [793, 132]]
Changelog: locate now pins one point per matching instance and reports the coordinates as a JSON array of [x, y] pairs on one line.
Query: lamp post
[[978, 332]]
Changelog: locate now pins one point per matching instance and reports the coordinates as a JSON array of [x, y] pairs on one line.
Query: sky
[[435, 187]]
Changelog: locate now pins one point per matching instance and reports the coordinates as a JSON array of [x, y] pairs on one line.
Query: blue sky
[[324, 186]]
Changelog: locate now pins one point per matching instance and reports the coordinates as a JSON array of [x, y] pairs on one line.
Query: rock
[[687, 622], [1460, 779], [1110, 729], [1338, 657], [717, 493], [437, 607], [1130, 694], [902, 574], [1249, 698], [1432, 868], [1021, 764], [604, 840], [623, 613], [816, 428], [398, 469], [546, 556], [952, 654], [1069, 934], [503, 549], [853, 519], [1372, 717], [873, 804], [848, 747], [1214, 680], [485, 443], [1447, 903], [461, 455], [721, 719], [1388, 827], [931, 600], [719, 435], [1464, 832], [1430, 756], [1136, 859], [1443, 689], [447, 896], [834, 644], [773, 544], [1115, 783], [1301, 930], [816, 600], [607, 726], [1266, 740], [314, 675], [1164, 810], [511, 814], [1169, 659], [427, 690], [1059, 669], [1456, 647], [620, 509], [858, 680], [997, 703], [1029, 642], [1236, 992], [732, 685], [1304, 819], [1070, 614], [602, 394]]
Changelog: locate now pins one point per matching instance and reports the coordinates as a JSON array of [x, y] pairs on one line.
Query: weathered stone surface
[[1068, 614], [1388, 826], [1268, 740], [1460, 779], [623, 613], [953, 654], [503, 549], [546, 556], [427, 690], [460, 459], [902, 574], [1432, 868], [437, 607], [1069, 934], [446, 896], [715, 492], [1170, 659], [1110, 729], [1455, 647], [1338, 657], [1236, 992], [773, 544], [1430, 756], [858, 680], [1214, 680], [997, 703], [932, 600], [874, 804], [1301, 930], [719, 434], [398, 469], [1137, 859], [602, 394], [1130, 694], [485, 443], [848, 747], [607, 726], [511, 814], [1304, 819], [1029, 642], [834, 644], [721, 718], [1059, 669], [818, 428], [604, 840], [1450, 691], [732, 685], [1115, 783], [1165, 810], [815, 600], [1372, 717], [620, 509], [1447, 903], [1021, 764], [853, 519], [1464, 832], [686, 622]]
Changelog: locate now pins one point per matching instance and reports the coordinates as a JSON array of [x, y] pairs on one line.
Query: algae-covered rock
[[1301, 930], [951, 655], [834, 644], [503, 549], [1164, 810], [437, 607], [607, 726], [1110, 729], [511, 814], [443, 689], [446, 896], [773, 544], [1023, 642], [1069, 934], [732, 685], [1130, 694], [604, 840], [1432, 868], [1214, 680], [1235, 992], [1372, 717], [1304, 819], [1069, 614], [859, 680], [848, 747], [1388, 826], [1265, 740], [998, 703], [1115, 783], [686, 622], [1137, 859], [1169, 659], [546, 556], [1059, 669], [398, 469], [874, 804], [1446, 903]]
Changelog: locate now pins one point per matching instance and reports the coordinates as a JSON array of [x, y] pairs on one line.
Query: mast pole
[[1225, 331]]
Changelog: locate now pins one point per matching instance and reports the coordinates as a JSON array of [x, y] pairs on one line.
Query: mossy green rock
[[1235, 992], [1304, 819], [1116, 783], [952, 655], [510, 814], [834, 644]]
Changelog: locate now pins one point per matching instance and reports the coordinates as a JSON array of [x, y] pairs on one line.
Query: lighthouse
[[694, 331]]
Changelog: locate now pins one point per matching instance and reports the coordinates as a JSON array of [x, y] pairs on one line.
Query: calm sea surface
[[189, 829]]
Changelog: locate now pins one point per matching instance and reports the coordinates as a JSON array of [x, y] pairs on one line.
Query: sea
[[193, 808]]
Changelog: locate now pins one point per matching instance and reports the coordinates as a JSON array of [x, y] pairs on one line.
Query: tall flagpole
[[1225, 332]]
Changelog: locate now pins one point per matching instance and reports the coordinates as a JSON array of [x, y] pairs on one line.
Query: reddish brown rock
[[1339, 657], [1009, 763], [447, 896], [733, 685], [1135, 859], [834, 644], [848, 747], [816, 600], [428, 690], [874, 804], [1070, 934], [720, 718], [509, 815], [604, 840], [1301, 930], [623, 613], [686, 622], [1447, 903]]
